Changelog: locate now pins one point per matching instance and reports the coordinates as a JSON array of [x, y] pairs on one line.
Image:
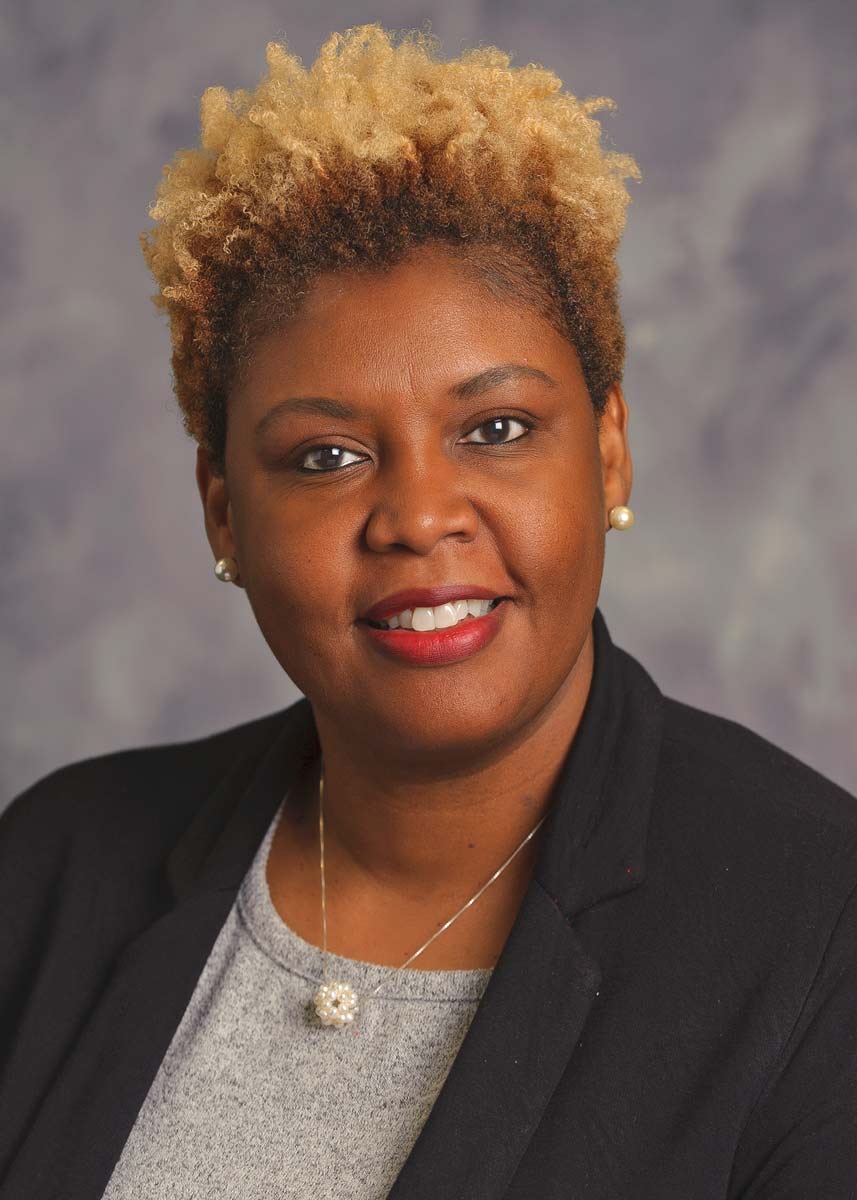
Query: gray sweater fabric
[[255, 1099]]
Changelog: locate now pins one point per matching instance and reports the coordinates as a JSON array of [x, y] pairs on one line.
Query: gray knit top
[[256, 1100]]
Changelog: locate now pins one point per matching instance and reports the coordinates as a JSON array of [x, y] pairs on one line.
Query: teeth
[[443, 616]]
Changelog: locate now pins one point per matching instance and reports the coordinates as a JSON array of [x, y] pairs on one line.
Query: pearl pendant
[[336, 1003]]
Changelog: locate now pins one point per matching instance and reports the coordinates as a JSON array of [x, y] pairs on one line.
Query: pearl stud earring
[[226, 569], [621, 517]]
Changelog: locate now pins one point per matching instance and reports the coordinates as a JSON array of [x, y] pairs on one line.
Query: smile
[[433, 647], [442, 616]]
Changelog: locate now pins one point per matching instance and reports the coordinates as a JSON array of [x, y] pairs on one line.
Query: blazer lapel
[[525, 1030], [509, 1063]]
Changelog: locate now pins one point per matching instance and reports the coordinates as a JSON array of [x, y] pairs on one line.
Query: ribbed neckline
[[291, 952]]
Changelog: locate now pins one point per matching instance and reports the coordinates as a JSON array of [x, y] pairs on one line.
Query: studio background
[[736, 587]]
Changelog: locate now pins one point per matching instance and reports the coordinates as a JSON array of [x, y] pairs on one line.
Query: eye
[[337, 452], [499, 421]]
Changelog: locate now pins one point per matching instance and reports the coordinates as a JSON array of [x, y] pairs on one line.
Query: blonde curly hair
[[378, 147]]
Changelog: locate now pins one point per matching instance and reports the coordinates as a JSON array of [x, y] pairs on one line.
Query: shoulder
[[714, 768], [131, 792], [741, 765], [744, 822]]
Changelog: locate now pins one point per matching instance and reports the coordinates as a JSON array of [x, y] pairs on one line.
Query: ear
[[617, 470], [214, 493]]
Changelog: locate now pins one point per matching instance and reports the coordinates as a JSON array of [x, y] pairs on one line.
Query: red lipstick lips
[[437, 647]]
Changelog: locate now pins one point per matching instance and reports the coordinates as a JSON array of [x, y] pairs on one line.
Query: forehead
[[428, 316]]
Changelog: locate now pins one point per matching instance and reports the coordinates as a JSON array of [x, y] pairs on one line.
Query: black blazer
[[674, 1014]]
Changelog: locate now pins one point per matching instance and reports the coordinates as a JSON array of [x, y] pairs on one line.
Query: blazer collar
[[217, 848], [595, 840]]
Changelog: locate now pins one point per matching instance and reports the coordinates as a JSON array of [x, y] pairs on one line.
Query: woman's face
[[425, 487]]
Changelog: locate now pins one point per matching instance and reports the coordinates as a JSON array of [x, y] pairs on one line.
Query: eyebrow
[[463, 390]]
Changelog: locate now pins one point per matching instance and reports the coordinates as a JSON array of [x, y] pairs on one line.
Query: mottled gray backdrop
[[736, 588]]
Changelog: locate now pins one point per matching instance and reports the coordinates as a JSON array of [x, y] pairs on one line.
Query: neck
[[439, 831]]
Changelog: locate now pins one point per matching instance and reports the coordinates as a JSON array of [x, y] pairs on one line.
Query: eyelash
[[528, 426]]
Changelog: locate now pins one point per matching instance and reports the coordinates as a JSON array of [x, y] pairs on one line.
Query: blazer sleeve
[[800, 1139], [32, 834]]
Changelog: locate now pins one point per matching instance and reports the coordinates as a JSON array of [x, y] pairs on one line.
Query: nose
[[419, 501]]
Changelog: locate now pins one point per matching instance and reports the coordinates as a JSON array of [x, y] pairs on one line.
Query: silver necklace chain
[[438, 932]]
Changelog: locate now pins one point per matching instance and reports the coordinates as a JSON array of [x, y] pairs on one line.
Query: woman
[[484, 913]]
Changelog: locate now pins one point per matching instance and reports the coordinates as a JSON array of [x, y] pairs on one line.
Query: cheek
[[299, 577], [301, 585], [291, 543], [567, 576], [297, 601], [557, 535]]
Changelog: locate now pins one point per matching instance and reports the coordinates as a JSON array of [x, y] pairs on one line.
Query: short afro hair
[[378, 147]]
